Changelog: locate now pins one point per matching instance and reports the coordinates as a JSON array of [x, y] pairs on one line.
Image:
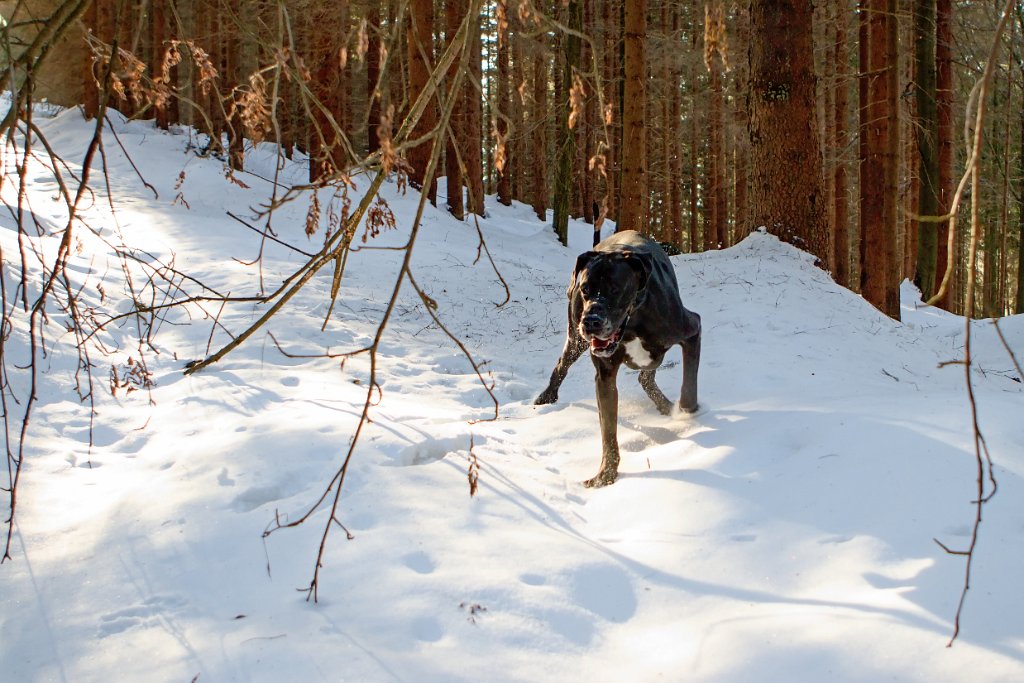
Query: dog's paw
[[546, 398], [602, 479], [694, 411]]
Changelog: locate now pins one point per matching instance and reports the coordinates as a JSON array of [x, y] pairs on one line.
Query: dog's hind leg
[[574, 348], [651, 387]]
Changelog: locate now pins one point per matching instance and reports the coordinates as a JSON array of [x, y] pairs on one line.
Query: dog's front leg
[[691, 365], [573, 349], [608, 412]]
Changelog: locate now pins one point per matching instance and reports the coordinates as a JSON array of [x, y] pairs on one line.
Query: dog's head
[[609, 287]]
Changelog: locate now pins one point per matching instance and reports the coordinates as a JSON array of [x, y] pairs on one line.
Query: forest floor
[[784, 533]]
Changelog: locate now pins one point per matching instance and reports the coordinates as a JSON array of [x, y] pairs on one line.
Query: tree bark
[[373, 92], [944, 133], [892, 159], [454, 12], [633, 193], [539, 189], [878, 215], [714, 31], [841, 215], [473, 125], [927, 134], [787, 184], [420, 42], [504, 112], [566, 141]]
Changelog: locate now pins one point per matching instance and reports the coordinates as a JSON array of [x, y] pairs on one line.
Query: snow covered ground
[[783, 534]]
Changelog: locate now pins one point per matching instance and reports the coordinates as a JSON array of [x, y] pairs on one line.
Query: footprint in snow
[[420, 562], [434, 449], [146, 613]]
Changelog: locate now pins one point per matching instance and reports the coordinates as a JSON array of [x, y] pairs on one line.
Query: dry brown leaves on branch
[[528, 13], [313, 215], [576, 96], [714, 35], [501, 17], [378, 217], [500, 156], [132, 377], [253, 107]]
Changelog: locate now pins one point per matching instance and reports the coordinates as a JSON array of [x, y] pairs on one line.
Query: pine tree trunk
[[741, 143], [714, 31], [566, 142], [610, 21], [945, 137], [473, 125], [420, 45], [841, 215], [90, 89], [504, 113], [373, 92], [539, 189], [675, 133], [787, 183], [159, 26], [233, 69], [454, 12], [692, 235], [1019, 307], [716, 175], [633, 193], [892, 159], [878, 215]]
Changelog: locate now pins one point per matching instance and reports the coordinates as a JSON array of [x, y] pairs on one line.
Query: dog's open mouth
[[604, 344], [606, 347]]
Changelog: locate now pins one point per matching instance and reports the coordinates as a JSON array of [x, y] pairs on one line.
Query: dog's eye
[[585, 290]]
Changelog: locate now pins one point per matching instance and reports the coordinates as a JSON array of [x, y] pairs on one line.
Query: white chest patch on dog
[[638, 354]]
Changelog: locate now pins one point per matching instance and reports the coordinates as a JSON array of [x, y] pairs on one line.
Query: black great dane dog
[[624, 306]]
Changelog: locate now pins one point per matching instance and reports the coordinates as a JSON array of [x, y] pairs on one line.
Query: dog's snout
[[593, 321]]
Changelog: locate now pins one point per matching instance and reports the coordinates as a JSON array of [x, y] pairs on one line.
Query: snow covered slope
[[783, 534]]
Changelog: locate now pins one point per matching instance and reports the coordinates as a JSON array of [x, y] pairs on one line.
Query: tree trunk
[[610, 19], [892, 158], [878, 216], [841, 215], [159, 25], [473, 125], [373, 92], [787, 186], [741, 143], [692, 236], [566, 143], [504, 112], [633, 194], [927, 134], [675, 134], [1019, 307], [944, 133], [714, 60], [90, 89], [454, 11], [539, 189], [420, 42]]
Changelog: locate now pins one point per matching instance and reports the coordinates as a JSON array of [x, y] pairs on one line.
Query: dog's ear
[[581, 262], [642, 264]]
